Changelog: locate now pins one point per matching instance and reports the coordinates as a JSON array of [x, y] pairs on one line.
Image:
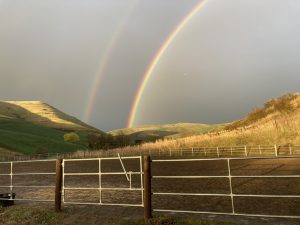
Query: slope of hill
[[43, 114], [35, 127], [178, 130], [277, 122]]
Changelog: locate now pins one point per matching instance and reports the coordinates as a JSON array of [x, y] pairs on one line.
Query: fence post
[[246, 154], [218, 152], [147, 188], [259, 149], [275, 148], [58, 184], [290, 148]]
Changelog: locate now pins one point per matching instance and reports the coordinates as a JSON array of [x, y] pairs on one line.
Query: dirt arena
[[244, 205]]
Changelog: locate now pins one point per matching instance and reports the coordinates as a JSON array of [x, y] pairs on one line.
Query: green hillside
[[178, 130], [36, 127]]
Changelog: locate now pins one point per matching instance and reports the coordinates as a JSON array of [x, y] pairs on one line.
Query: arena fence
[[138, 179], [100, 174], [230, 193], [17, 175]]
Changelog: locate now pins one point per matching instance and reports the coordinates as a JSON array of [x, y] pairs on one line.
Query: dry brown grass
[[280, 127]]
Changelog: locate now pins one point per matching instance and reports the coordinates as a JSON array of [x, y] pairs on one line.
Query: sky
[[89, 58]]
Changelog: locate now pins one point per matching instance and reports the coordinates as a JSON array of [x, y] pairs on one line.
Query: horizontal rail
[[240, 176], [23, 186], [191, 177], [190, 194], [106, 189], [224, 213], [95, 159], [96, 174], [226, 195], [37, 160], [105, 204], [24, 174], [224, 158], [28, 199]]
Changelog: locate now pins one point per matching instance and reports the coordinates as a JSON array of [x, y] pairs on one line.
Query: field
[[253, 205], [28, 138]]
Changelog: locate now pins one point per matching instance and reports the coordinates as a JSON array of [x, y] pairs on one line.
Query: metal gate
[[115, 181]]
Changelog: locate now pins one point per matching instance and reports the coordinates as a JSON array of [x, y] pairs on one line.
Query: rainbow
[[103, 64], [157, 57]]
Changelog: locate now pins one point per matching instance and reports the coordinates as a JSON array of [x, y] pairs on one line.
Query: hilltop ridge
[[43, 114]]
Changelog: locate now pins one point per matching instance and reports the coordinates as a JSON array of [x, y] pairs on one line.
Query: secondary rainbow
[[157, 57], [105, 61]]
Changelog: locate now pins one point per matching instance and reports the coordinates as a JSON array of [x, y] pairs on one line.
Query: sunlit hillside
[[277, 122], [167, 131], [41, 113], [30, 127]]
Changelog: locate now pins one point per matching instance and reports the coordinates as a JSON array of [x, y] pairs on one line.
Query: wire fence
[[202, 152]]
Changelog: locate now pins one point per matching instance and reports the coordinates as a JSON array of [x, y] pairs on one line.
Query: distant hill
[[36, 127], [276, 122], [167, 131]]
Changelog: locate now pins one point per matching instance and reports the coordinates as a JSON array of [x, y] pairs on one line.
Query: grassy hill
[[276, 122], [30, 127], [170, 131]]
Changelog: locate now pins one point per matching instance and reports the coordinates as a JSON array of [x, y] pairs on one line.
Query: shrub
[[71, 137]]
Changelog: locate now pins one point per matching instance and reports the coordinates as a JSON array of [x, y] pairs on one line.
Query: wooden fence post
[[58, 184], [147, 189]]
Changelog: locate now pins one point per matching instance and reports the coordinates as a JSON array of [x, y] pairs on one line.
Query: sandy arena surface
[[112, 214]]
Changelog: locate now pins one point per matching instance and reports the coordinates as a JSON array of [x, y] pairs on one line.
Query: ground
[[95, 214]]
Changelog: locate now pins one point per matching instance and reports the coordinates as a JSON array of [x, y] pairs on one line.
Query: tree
[[71, 137]]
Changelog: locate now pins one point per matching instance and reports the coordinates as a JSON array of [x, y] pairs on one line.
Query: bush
[[71, 137]]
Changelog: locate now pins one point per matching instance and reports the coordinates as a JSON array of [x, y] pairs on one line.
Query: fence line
[[215, 152], [145, 183], [12, 174], [100, 174], [231, 194]]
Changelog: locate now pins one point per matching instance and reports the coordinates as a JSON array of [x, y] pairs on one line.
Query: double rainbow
[[105, 61], [157, 57]]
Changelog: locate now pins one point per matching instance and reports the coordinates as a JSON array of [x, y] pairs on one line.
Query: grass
[[281, 126], [31, 127], [29, 138], [167, 130], [28, 216], [18, 215], [175, 221]]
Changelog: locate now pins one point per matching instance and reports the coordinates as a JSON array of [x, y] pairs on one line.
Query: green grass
[[29, 138]]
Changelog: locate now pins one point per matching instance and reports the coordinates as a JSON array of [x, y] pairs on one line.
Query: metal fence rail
[[201, 151], [100, 175], [13, 174], [231, 193]]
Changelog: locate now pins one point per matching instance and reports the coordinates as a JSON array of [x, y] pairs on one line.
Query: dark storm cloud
[[231, 57]]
